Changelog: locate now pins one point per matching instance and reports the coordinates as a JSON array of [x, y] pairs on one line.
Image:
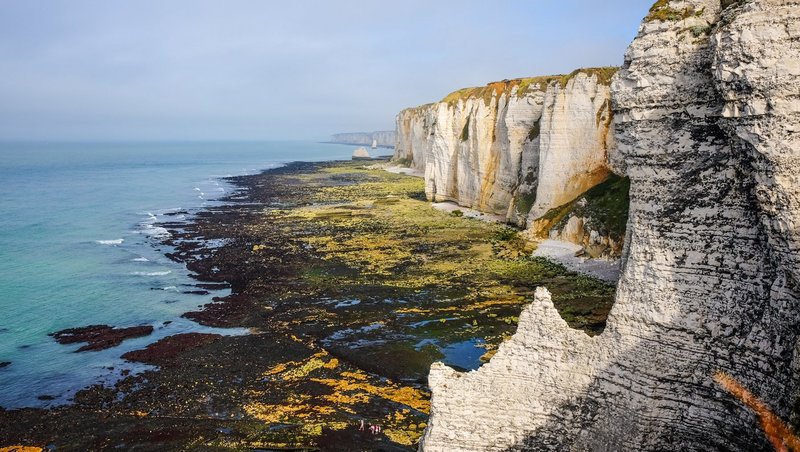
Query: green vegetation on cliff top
[[662, 11], [527, 85], [606, 205], [486, 93]]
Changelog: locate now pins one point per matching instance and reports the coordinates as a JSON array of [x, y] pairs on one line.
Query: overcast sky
[[261, 69]]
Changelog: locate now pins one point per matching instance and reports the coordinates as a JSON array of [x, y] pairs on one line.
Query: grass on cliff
[[603, 74], [663, 12], [495, 89], [606, 207], [526, 85]]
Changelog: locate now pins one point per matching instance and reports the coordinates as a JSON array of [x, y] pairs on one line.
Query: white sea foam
[[141, 259], [152, 231], [110, 242], [163, 273], [155, 231]]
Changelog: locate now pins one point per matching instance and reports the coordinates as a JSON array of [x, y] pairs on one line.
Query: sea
[[80, 245]]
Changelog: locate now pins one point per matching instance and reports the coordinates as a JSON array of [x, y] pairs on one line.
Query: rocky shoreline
[[351, 285]]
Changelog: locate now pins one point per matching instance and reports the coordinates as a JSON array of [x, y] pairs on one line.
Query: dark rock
[[210, 286], [223, 312], [169, 348], [99, 337]]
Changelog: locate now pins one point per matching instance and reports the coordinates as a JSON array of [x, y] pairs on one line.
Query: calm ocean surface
[[78, 247]]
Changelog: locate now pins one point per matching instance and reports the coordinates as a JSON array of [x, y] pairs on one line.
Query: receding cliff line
[[478, 146], [516, 148], [706, 114], [384, 138]]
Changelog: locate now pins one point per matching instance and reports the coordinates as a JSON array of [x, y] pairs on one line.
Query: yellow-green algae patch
[[372, 234]]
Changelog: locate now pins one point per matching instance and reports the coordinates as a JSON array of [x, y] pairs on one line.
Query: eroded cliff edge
[[707, 127], [517, 148]]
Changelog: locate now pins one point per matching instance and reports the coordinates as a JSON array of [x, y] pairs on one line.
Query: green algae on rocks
[[352, 285]]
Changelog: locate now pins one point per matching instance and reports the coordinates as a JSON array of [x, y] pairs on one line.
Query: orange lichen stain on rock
[[779, 434], [488, 181], [400, 430], [21, 449], [356, 387], [295, 370], [296, 408], [347, 390], [412, 311], [279, 368], [429, 311], [481, 305]]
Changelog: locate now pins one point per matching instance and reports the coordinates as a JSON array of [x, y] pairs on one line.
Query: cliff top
[[528, 84], [362, 133]]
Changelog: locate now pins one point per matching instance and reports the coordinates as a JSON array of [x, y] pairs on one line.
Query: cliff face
[[384, 138], [706, 114], [414, 136], [516, 148]]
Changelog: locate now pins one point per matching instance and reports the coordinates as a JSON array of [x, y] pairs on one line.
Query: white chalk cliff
[[383, 138], [707, 127], [515, 148]]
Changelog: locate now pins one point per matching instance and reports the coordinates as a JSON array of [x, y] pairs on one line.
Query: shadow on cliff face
[[658, 389], [706, 289]]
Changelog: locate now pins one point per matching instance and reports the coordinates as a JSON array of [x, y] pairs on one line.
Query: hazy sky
[[261, 69]]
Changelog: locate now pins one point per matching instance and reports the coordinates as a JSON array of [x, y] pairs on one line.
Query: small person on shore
[[361, 427]]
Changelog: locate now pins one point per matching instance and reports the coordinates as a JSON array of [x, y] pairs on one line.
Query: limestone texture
[[706, 123], [515, 148]]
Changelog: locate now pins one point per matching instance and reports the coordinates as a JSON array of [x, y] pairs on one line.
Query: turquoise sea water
[[78, 247]]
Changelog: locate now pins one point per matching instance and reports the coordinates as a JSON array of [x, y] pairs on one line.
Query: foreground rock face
[[707, 125], [515, 148]]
